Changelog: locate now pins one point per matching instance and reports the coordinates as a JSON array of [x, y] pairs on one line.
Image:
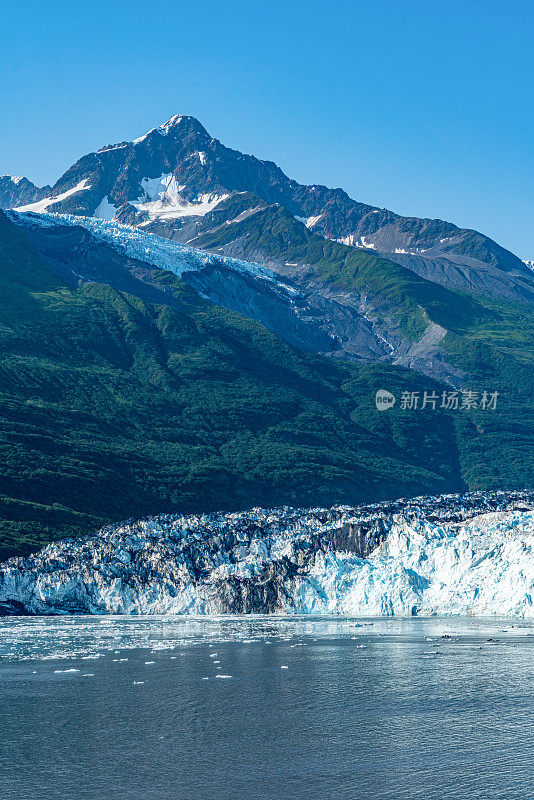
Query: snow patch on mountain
[[42, 205], [309, 222], [163, 130], [162, 199], [105, 210], [359, 241]]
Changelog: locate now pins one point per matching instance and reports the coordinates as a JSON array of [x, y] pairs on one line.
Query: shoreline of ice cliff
[[469, 554]]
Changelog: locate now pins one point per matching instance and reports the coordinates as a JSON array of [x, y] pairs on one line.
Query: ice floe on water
[[77, 640]]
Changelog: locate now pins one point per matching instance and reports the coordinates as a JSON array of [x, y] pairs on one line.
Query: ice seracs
[[484, 567], [164, 253], [470, 555]]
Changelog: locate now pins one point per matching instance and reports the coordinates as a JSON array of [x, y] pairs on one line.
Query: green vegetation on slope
[[492, 342], [111, 408], [410, 299], [497, 351]]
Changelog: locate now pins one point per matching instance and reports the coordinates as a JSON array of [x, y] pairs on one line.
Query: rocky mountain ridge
[[181, 183]]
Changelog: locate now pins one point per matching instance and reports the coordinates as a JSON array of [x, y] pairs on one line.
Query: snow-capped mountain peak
[[171, 127], [208, 185], [171, 123]]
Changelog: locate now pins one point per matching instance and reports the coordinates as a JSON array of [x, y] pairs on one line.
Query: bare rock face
[[17, 191], [375, 559]]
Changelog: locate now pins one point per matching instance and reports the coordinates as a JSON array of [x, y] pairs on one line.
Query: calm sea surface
[[231, 708]]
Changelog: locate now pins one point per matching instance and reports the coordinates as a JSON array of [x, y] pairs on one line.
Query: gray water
[[374, 710]]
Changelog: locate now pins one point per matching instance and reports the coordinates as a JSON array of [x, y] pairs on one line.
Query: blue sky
[[422, 107]]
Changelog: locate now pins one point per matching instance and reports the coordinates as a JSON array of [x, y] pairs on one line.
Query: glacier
[[483, 567], [467, 554], [149, 248]]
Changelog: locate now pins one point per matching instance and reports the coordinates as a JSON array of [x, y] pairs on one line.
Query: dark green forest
[[113, 408]]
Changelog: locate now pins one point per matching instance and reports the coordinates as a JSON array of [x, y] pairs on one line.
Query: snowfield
[[163, 200], [42, 205], [452, 555]]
